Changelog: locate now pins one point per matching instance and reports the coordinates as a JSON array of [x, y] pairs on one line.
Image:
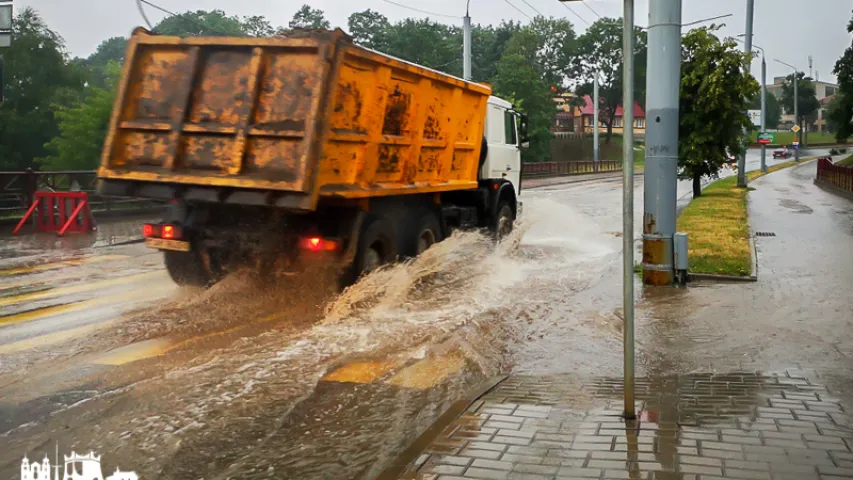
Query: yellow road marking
[[133, 352], [76, 288], [73, 307], [54, 338], [428, 372], [361, 372], [65, 263]]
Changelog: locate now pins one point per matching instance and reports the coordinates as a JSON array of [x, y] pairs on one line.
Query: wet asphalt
[[100, 351]]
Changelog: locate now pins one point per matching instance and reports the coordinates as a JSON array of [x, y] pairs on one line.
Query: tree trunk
[[697, 185], [609, 132]]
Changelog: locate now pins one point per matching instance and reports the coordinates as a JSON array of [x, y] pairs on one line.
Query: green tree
[[522, 79], [487, 46], [308, 17], [842, 115], [774, 112], [599, 51], [200, 23], [38, 78], [369, 28], [83, 127], [555, 47], [409, 39], [257, 26], [806, 100], [713, 102]]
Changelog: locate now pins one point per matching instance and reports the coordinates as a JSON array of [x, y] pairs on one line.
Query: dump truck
[[294, 151]]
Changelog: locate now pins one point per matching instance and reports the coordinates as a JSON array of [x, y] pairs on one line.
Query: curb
[[410, 454]]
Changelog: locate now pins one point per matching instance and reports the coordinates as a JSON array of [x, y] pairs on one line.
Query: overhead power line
[[519, 10], [574, 12], [591, 9], [533, 8], [425, 12]]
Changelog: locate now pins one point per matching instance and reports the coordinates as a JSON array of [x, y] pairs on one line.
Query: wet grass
[[846, 162], [718, 230]]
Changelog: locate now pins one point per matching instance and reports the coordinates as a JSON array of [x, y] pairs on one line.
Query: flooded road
[[100, 351]]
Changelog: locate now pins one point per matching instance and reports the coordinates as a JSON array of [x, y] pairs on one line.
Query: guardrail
[[837, 176], [541, 169], [18, 189]]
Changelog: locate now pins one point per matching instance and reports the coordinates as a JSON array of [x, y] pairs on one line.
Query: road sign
[[795, 128], [755, 117], [766, 138]]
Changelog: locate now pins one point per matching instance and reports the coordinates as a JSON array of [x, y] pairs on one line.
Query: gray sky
[[790, 30]]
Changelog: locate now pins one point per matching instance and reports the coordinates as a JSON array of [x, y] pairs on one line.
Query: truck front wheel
[[187, 268]]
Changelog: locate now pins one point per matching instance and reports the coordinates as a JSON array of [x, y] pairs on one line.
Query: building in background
[[824, 92], [576, 116]]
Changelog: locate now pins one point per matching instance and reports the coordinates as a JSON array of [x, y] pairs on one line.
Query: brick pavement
[[696, 427]]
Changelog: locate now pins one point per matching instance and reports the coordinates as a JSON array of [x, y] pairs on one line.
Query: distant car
[[781, 153]]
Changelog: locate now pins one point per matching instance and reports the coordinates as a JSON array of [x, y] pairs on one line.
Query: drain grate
[[765, 234]]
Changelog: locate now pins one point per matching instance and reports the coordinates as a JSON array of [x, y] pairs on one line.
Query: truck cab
[[503, 140]]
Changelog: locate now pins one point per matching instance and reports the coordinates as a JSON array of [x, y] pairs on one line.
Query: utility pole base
[[658, 268]]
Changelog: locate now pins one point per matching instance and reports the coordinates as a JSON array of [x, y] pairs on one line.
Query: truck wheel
[[503, 221], [376, 247], [186, 268], [427, 233]]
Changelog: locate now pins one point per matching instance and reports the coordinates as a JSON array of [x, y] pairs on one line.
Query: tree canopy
[[715, 87], [774, 111], [599, 52], [841, 113]]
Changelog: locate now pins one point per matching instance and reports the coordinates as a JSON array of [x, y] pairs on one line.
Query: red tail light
[[318, 244], [147, 230]]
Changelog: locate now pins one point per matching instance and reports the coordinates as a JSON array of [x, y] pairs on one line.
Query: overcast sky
[[790, 30]]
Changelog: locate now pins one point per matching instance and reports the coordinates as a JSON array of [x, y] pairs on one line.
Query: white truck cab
[[503, 138]]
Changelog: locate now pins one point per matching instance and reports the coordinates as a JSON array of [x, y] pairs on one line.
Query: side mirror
[[522, 130]]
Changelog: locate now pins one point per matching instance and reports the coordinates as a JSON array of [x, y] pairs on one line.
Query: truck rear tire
[[427, 233], [376, 247], [187, 269]]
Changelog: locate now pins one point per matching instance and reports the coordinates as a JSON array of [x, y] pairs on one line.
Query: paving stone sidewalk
[[697, 427]]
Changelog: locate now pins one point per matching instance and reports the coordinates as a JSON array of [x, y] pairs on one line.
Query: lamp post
[[627, 203], [466, 43], [796, 106]]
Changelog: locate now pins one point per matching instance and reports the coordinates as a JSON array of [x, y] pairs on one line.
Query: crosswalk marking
[[54, 338], [83, 287], [148, 292], [428, 372], [64, 263], [133, 352], [361, 372]]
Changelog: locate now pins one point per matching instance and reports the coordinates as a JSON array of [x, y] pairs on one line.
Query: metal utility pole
[[628, 203], [796, 106], [747, 48], [763, 108], [466, 44], [595, 148], [661, 171]]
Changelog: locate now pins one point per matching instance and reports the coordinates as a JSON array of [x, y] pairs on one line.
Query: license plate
[[164, 244]]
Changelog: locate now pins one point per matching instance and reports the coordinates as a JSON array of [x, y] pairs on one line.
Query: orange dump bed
[[301, 118]]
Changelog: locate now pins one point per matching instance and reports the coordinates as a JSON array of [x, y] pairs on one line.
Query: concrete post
[[628, 205], [661, 169], [466, 48], [595, 152], [763, 111], [747, 48]]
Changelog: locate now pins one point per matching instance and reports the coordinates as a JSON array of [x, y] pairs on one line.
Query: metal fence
[[17, 190], [838, 176], [542, 169]]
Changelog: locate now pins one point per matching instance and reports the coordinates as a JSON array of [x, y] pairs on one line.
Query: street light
[[796, 107], [466, 43], [627, 203], [763, 103]]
